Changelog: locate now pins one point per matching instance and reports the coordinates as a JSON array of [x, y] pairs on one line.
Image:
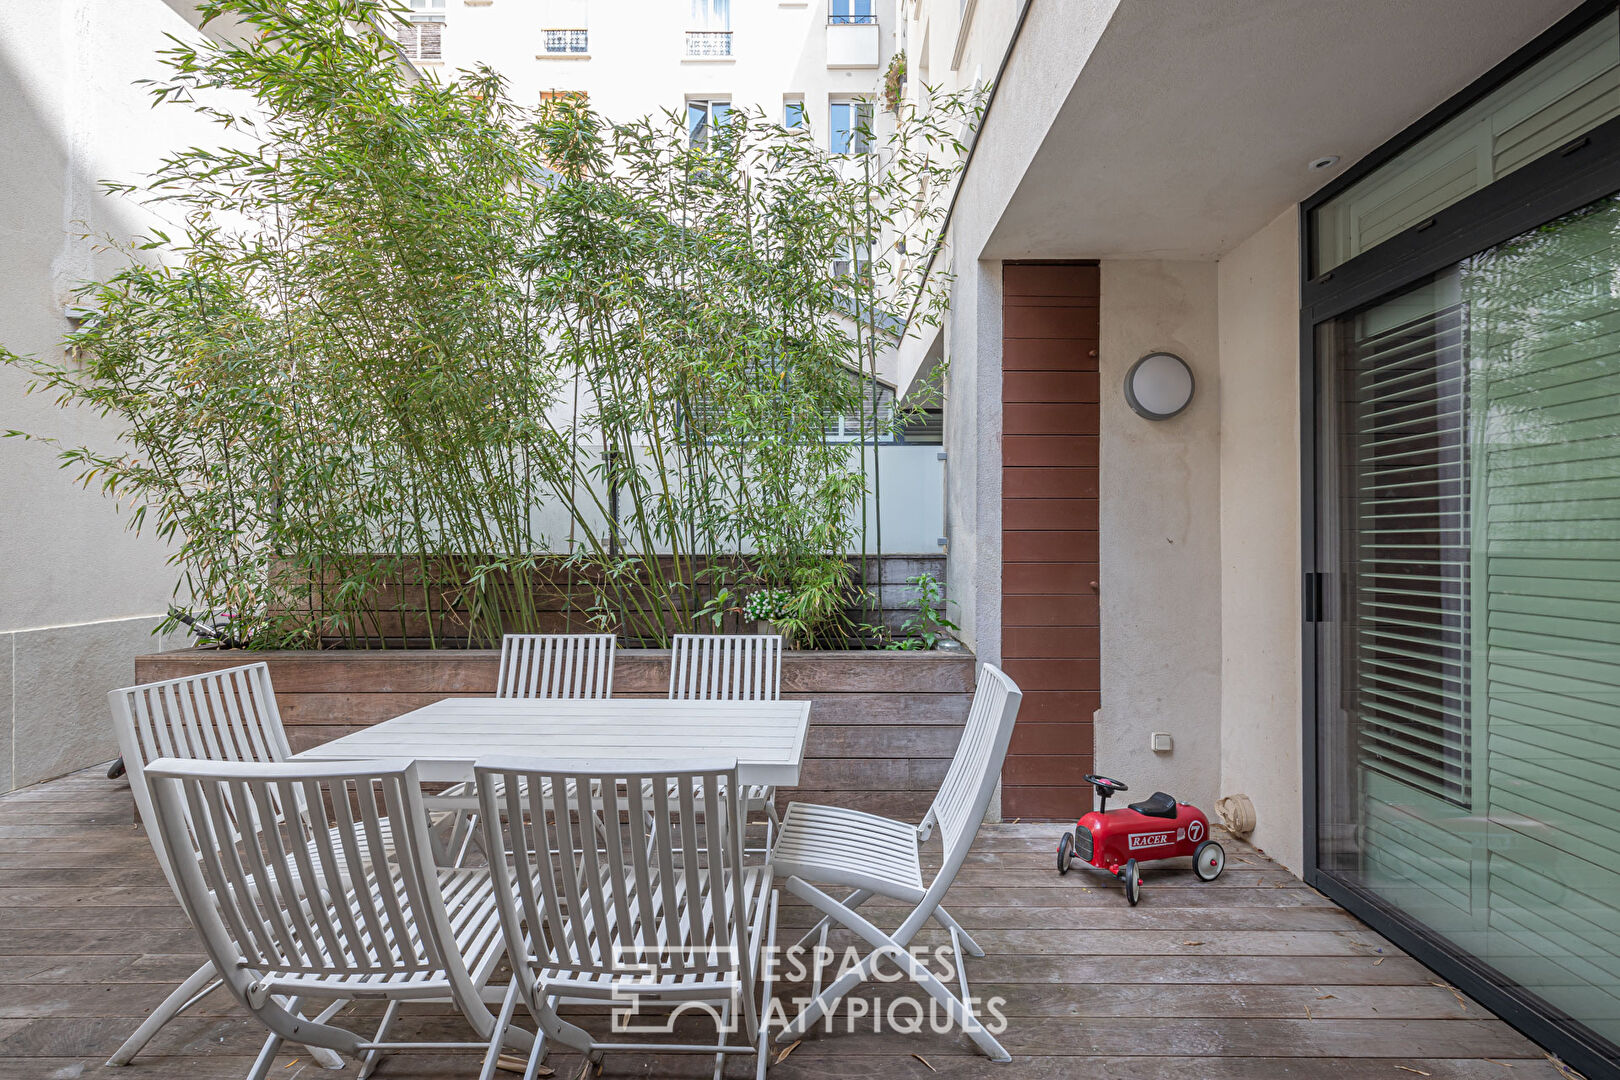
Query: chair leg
[[266, 1058], [762, 1043], [720, 1037], [461, 837], [883, 944], [773, 823], [852, 901], [374, 1055], [503, 1020], [536, 1056], [197, 983], [944, 919]]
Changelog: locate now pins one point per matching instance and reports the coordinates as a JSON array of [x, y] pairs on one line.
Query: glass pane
[[1470, 699], [850, 11], [697, 122], [1572, 89], [840, 127], [850, 127], [711, 15], [793, 114]]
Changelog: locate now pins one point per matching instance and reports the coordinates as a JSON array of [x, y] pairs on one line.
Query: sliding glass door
[[1468, 449]]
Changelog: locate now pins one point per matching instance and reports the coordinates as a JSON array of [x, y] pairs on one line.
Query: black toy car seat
[[1156, 805]]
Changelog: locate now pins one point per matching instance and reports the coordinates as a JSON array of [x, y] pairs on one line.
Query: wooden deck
[[1250, 977]]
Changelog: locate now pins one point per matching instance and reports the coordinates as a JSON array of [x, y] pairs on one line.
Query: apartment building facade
[[817, 63]]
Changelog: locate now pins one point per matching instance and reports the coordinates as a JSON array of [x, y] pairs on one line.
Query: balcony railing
[[566, 42], [852, 20], [708, 43]]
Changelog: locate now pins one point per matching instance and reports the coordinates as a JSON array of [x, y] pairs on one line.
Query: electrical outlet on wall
[[1162, 742]]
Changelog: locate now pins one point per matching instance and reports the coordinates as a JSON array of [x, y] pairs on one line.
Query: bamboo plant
[[418, 364]]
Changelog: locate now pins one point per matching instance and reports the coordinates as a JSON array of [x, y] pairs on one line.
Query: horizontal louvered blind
[[875, 409], [1546, 348], [925, 427], [1407, 576]]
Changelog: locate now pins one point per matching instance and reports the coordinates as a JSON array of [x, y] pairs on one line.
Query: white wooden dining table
[[446, 738]]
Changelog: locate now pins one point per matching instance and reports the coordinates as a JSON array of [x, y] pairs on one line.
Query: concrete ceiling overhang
[[1192, 122]]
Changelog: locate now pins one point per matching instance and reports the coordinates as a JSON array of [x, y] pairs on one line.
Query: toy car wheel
[[1133, 882], [1065, 852], [1209, 861]]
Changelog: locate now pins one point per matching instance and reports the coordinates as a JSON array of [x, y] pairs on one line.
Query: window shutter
[[429, 40], [1407, 586]]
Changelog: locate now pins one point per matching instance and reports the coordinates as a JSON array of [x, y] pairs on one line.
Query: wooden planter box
[[882, 730]]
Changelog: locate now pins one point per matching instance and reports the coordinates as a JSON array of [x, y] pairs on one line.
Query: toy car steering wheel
[[1105, 787]]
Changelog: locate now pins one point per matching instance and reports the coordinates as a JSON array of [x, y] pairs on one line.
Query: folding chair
[[556, 666], [730, 667], [655, 910], [225, 715], [552, 666], [877, 856], [290, 909]]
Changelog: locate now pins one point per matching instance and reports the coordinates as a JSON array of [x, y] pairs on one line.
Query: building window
[[1570, 91], [422, 37], [876, 407], [850, 127], [568, 42], [704, 118], [793, 115], [850, 11], [710, 30], [1462, 539]]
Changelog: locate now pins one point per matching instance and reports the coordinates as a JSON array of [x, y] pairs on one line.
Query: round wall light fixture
[[1159, 385]]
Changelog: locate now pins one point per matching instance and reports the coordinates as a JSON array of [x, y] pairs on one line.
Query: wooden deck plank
[[1280, 983]]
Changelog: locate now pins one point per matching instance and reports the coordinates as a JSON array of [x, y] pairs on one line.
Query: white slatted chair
[[225, 715], [876, 856], [730, 667], [332, 925], [556, 666], [657, 904], [552, 666]]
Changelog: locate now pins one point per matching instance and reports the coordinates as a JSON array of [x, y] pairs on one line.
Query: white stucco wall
[[1260, 529], [78, 594], [1159, 500]]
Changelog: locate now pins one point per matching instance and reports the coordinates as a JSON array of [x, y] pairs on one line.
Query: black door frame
[[1581, 172]]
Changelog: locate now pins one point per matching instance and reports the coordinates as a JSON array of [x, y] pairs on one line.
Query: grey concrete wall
[[1026, 102], [1260, 528], [78, 593], [53, 694], [1160, 536]]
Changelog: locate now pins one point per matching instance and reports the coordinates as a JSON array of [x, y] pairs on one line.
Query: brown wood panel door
[[1049, 611]]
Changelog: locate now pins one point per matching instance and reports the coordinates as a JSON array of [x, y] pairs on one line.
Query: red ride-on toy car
[[1158, 827]]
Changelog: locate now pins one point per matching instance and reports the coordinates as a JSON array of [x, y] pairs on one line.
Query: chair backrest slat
[[959, 808], [621, 868], [726, 667], [556, 666], [284, 896], [224, 715]]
